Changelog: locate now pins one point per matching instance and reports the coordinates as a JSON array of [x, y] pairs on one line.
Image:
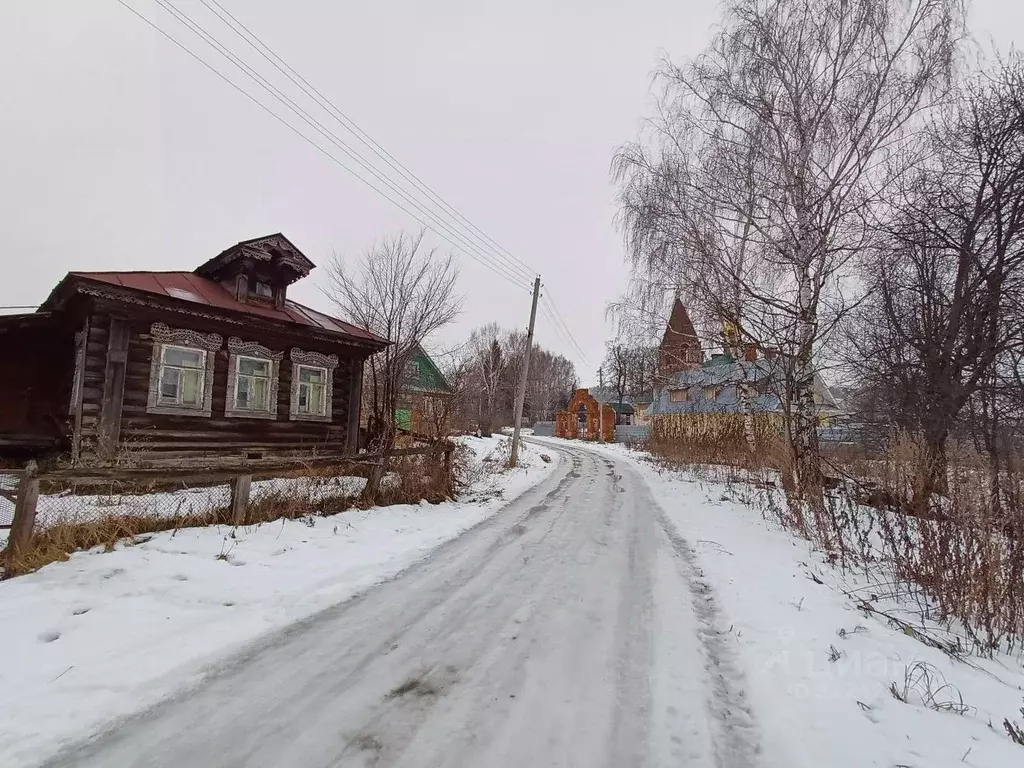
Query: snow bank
[[107, 634], [791, 614]]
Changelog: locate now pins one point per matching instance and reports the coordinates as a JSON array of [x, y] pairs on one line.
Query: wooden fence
[[237, 474]]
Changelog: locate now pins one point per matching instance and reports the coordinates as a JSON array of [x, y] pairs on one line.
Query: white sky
[[121, 152]]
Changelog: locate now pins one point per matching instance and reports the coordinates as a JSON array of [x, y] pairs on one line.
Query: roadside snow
[[783, 625], [107, 634]]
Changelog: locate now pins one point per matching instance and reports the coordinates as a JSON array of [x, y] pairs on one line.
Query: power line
[[561, 321], [561, 336], [459, 232], [449, 231], [467, 246], [314, 93]]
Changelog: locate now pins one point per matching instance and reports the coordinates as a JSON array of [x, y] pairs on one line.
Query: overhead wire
[[449, 231], [561, 322], [257, 44], [454, 227], [556, 330], [561, 337]]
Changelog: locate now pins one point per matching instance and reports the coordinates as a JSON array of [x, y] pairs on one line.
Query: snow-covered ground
[[613, 615], [819, 670], [107, 634]]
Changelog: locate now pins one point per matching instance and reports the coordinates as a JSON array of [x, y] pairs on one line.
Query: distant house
[[424, 391], [624, 413], [725, 383], [214, 361], [624, 410], [641, 406], [718, 386]]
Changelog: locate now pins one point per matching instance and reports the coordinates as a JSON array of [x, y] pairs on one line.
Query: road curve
[[571, 629]]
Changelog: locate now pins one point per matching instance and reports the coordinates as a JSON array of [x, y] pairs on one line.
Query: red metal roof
[[187, 286]]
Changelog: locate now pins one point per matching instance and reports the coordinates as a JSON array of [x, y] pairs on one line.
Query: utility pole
[[521, 394]]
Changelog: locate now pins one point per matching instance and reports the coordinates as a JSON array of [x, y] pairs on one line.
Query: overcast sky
[[121, 152]]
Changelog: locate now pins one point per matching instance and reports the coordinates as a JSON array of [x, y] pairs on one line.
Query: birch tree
[[767, 162], [489, 363]]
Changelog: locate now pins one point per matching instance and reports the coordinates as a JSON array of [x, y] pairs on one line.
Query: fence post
[[240, 498], [24, 512], [372, 489], [449, 483]]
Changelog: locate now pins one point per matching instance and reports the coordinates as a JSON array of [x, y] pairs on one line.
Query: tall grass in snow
[[962, 552]]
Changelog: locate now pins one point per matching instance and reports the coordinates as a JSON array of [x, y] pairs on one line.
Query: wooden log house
[[218, 361]]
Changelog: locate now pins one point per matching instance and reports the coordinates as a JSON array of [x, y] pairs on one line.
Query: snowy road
[[571, 629]]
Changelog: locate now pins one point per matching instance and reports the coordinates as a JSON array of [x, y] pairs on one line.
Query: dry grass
[[714, 439], [962, 553], [410, 479], [925, 685]]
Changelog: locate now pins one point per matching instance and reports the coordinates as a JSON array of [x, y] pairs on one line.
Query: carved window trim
[[239, 349], [207, 343], [312, 360]]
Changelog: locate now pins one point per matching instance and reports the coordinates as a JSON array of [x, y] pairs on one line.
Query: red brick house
[[214, 361]]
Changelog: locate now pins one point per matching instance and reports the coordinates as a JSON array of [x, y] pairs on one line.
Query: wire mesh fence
[[69, 509], [8, 492]]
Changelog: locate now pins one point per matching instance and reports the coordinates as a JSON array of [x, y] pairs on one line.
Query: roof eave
[[111, 291]]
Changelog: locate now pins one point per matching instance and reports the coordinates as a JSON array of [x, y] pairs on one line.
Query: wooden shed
[[214, 361], [586, 419]]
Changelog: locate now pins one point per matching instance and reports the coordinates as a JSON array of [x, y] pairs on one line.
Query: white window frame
[[254, 351], [312, 360], [200, 369], [299, 385], [238, 377], [185, 339]]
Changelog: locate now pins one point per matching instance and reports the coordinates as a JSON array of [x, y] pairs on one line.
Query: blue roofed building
[[720, 384]]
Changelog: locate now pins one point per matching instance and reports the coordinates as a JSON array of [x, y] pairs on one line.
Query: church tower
[[680, 349]]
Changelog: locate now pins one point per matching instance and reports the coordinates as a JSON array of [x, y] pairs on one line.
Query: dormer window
[[258, 270]]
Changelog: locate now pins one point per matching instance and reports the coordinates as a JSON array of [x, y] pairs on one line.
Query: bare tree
[[618, 367], [404, 292], [941, 330], [768, 167], [496, 357], [550, 385], [445, 415], [488, 376]]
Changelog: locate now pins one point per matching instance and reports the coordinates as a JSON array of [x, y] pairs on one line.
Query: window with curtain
[[182, 375], [252, 384], [312, 390]]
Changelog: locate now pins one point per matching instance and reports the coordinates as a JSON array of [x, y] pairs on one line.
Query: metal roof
[[188, 286], [726, 377]]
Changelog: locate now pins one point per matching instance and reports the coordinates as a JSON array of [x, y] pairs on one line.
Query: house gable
[[427, 377]]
